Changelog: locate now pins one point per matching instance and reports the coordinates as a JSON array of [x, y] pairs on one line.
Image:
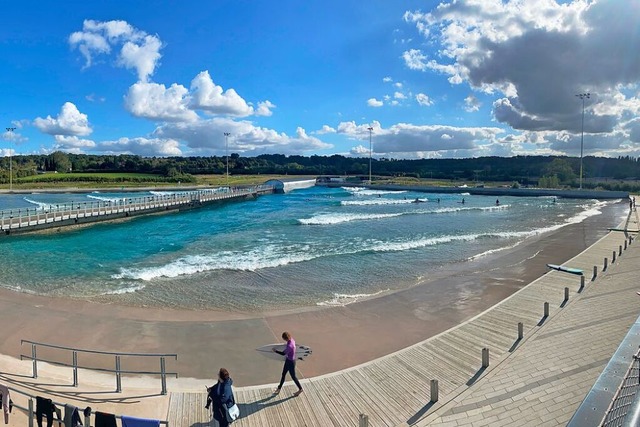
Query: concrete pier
[[20, 221]]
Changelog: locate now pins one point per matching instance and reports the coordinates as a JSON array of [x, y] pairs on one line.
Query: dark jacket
[[220, 394]]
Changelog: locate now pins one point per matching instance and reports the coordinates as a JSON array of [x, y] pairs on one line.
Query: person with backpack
[[221, 400]]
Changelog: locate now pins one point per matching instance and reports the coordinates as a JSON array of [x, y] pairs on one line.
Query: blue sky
[[433, 79]]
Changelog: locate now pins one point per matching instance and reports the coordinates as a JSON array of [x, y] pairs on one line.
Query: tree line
[[548, 171]]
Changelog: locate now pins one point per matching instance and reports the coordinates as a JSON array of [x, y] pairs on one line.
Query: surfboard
[[302, 351], [565, 269]]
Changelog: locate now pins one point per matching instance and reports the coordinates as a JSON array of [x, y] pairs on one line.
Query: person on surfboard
[[289, 363]]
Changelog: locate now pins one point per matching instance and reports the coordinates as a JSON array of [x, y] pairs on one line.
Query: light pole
[[370, 152], [582, 96], [226, 145], [10, 130]]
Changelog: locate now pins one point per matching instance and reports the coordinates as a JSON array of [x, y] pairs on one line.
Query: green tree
[[60, 162], [561, 168]]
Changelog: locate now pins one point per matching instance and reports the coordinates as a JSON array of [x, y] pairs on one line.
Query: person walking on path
[[289, 363], [220, 396]]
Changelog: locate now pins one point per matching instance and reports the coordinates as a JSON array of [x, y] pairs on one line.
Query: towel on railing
[[5, 398], [105, 420], [139, 422], [71, 416], [44, 407]]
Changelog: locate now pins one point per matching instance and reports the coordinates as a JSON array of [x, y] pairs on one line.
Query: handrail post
[[546, 309], [566, 294], [31, 412], [620, 250], [606, 261], [595, 273], [613, 258], [75, 368], [163, 376], [582, 279], [625, 244], [118, 377], [34, 360]]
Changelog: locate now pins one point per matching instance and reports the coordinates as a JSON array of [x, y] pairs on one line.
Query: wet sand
[[340, 337]]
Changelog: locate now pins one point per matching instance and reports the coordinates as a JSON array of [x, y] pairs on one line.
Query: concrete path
[[538, 380]]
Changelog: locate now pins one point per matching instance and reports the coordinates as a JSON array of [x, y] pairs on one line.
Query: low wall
[[519, 192]]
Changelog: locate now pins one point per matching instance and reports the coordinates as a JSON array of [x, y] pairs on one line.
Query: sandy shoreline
[[341, 336]]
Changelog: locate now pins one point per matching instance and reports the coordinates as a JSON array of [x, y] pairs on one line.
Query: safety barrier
[[117, 359]]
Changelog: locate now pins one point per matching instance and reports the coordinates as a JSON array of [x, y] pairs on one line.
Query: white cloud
[[403, 138], [141, 56], [372, 102], [264, 108], [70, 122], [471, 104], [159, 147], [398, 85], [387, 79], [399, 95], [207, 137], [138, 50], [156, 102], [394, 103], [208, 96], [423, 100], [92, 97], [72, 144], [325, 129], [415, 59]]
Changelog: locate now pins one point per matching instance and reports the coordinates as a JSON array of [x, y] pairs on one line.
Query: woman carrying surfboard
[[289, 363]]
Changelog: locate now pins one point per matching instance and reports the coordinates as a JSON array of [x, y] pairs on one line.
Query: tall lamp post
[[226, 145], [370, 152], [10, 130], [582, 96]]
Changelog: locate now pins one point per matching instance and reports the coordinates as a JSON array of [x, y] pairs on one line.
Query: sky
[[432, 79]]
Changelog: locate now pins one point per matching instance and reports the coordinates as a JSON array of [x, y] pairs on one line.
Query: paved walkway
[[539, 380]]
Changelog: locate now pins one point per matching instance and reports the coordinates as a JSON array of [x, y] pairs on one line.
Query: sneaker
[[298, 393], [276, 392]]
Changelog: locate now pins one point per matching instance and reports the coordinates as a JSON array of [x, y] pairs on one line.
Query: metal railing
[[117, 365], [11, 219], [625, 396], [30, 408]]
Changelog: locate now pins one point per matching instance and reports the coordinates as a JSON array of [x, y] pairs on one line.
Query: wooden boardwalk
[[395, 390]]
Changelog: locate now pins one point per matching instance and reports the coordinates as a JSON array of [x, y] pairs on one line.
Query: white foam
[[259, 258], [40, 205], [341, 300], [378, 201], [358, 191], [162, 193], [105, 199], [465, 194], [330, 219], [492, 251], [128, 290]]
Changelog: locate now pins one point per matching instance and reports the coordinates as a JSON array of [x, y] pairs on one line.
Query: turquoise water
[[314, 246]]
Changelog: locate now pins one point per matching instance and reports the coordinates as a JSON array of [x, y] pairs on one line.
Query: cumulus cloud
[[403, 138], [208, 96], [399, 95], [372, 102], [13, 136], [160, 147], [325, 129], [387, 79], [536, 56], [138, 50], [69, 122], [72, 144], [398, 85], [207, 137], [423, 100], [264, 108], [156, 102], [471, 104]]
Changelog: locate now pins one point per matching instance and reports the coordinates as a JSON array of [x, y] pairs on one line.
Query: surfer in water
[[462, 201], [289, 363], [497, 202]]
